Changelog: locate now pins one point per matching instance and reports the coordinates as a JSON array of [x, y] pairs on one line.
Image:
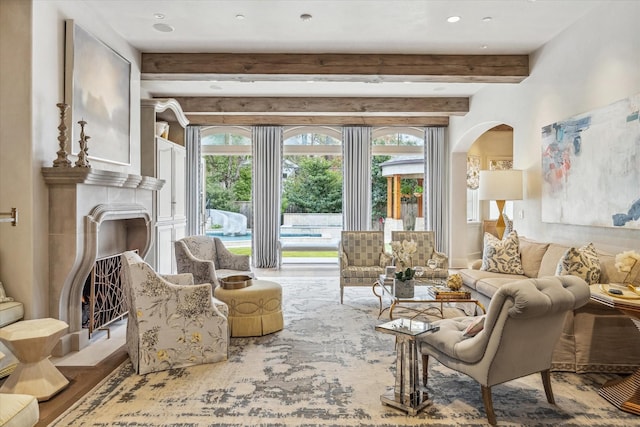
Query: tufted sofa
[[595, 338]]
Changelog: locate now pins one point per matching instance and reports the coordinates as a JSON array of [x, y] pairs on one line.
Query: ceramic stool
[[32, 341], [255, 310]]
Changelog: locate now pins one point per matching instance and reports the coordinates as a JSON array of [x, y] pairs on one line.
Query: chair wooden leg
[[425, 369], [488, 405], [546, 382]]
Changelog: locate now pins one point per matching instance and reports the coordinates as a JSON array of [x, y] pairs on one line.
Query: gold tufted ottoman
[[255, 310]]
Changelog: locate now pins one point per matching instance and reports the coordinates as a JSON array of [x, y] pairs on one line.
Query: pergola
[[409, 167]]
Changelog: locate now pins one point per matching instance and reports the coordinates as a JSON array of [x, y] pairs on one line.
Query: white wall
[[31, 84], [590, 65]]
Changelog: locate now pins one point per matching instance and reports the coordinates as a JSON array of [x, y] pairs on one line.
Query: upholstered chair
[[208, 259], [425, 241], [362, 258], [520, 330], [171, 325]]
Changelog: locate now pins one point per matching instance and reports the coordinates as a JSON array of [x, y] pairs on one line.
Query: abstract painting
[[97, 89], [591, 167]]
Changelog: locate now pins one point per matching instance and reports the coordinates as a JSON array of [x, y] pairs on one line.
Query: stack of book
[[449, 294]]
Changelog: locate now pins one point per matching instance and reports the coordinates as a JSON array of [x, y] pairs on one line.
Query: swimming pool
[[247, 236]]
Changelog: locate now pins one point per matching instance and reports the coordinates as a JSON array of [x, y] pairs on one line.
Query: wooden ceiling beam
[[336, 67], [281, 120], [361, 106]]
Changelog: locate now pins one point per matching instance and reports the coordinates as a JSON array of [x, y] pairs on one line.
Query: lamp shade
[[501, 185]]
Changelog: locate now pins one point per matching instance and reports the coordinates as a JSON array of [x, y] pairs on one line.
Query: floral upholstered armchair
[[171, 325], [208, 260], [362, 258], [425, 251]]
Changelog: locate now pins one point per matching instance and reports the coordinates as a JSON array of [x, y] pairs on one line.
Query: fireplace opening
[[103, 296]]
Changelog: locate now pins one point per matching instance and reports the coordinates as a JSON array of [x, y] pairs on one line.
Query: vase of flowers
[[404, 285], [402, 253], [625, 263]]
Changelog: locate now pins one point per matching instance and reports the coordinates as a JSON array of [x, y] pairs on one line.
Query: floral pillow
[[583, 262], [3, 295], [502, 256]]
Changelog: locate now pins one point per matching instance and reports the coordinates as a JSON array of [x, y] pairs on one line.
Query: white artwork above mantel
[[591, 167]]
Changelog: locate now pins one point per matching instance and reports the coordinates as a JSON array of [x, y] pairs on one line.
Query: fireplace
[[93, 214], [103, 296]]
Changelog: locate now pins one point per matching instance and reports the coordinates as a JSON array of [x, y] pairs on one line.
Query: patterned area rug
[[328, 367]]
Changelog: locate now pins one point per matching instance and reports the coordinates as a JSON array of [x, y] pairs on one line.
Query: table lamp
[[501, 185]]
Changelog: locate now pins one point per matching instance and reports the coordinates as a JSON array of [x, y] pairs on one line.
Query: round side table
[[32, 341]]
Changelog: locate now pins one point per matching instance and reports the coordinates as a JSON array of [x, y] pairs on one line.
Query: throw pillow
[[581, 262], [385, 260], [3, 295], [474, 327], [502, 256], [531, 253]]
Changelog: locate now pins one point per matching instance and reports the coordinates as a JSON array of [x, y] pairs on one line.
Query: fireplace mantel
[[91, 176], [93, 213]]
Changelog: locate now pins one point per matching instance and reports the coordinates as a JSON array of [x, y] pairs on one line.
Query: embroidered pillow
[[474, 327], [581, 262], [502, 256]]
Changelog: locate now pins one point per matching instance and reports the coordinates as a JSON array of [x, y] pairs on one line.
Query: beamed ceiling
[[377, 62], [369, 68]]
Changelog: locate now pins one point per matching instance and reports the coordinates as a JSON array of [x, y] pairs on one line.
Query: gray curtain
[[193, 181], [436, 185], [356, 168], [266, 188]]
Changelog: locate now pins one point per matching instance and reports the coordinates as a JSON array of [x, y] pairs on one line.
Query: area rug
[[328, 367]]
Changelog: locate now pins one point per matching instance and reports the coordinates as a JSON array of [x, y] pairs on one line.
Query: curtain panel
[[193, 181], [266, 190], [356, 168], [436, 188]]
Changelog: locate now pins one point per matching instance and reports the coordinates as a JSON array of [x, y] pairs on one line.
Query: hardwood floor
[[81, 380]]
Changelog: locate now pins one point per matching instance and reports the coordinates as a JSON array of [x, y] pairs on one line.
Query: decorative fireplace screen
[[104, 300]]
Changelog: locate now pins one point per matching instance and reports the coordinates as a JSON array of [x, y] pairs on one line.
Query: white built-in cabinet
[[165, 158]]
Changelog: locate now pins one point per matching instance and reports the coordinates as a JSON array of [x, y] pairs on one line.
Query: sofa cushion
[[531, 253], [550, 259], [502, 256], [471, 277], [490, 285], [10, 312], [18, 410], [582, 262]]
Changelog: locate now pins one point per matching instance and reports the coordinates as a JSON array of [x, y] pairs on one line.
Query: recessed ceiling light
[[484, 46], [407, 82], [306, 17], [159, 15], [163, 28], [453, 19], [487, 19], [239, 17]]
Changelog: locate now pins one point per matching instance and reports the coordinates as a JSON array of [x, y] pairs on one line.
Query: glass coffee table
[[429, 296]]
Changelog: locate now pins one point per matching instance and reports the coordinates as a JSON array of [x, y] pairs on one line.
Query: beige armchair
[[171, 325], [208, 259], [522, 325], [362, 258], [425, 240]]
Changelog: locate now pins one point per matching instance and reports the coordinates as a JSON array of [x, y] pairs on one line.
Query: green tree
[[316, 187], [223, 172], [378, 188], [242, 187]]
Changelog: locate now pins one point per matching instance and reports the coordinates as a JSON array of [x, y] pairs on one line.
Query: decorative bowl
[[236, 282]]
